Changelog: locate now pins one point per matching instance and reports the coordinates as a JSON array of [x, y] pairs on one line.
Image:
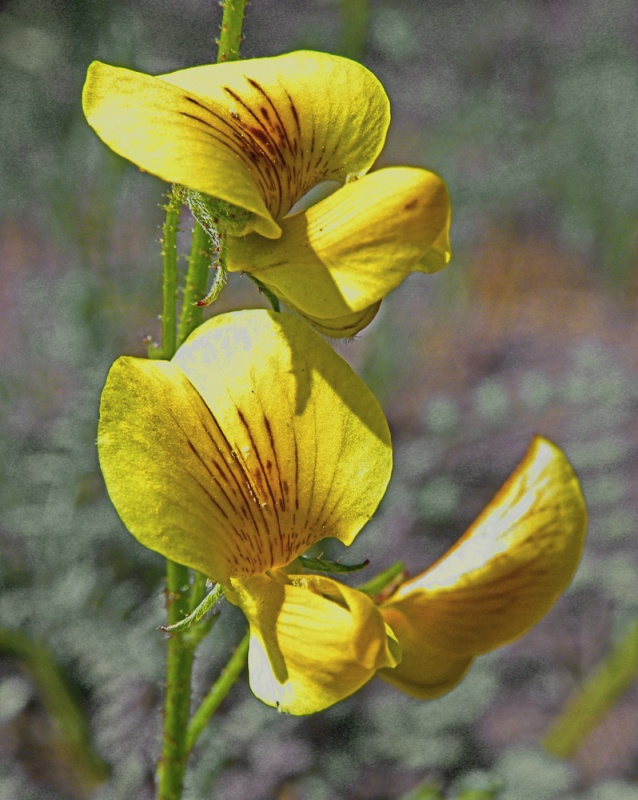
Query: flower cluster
[[256, 441]]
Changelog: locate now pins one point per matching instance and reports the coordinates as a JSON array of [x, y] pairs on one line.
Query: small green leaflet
[[319, 565]]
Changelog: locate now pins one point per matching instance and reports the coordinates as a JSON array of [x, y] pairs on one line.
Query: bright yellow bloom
[[497, 581], [257, 441], [252, 444], [256, 136]]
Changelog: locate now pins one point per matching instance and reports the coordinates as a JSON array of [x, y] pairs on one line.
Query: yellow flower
[[252, 444], [254, 137], [497, 581], [257, 441]]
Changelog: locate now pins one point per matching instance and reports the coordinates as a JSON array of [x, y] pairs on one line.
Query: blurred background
[[529, 110]]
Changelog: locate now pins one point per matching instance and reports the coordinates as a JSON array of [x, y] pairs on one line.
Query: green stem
[[599, 693], [180, 655], [230, 34], [321, 565], [385, 582], [179, 667], [179, 661], [217, 692], [196, 277], [181, 599], [169, 288]]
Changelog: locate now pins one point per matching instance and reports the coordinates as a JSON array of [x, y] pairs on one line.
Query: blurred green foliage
[[529, 110]]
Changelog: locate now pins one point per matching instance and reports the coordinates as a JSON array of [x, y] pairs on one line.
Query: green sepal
[[385, 583], [272, 299], [320, 565], [208, 603], [216, 216]]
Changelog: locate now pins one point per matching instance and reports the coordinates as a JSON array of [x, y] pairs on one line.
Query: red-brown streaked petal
[[257, 133], [256, 441], [169, 472]]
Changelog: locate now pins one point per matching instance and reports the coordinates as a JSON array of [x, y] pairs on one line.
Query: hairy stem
[[169, 287], [192, 315], [218, 692], [179, 666], [230, 34], [181, 598]]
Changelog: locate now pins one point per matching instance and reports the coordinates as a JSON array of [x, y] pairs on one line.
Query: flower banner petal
[[504, 574], [257, 134], [255, 442], [156, 443], [313, 641], [347, 252]]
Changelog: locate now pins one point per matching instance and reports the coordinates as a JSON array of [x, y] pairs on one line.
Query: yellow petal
[[343, 255], [257, 134], [341, 327], [156, 443], [501, 577], [255, 442], [313, 641], [425, 672]]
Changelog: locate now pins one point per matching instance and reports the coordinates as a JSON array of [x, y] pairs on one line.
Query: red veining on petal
[[280, 156], [232, 483], [230, 134], [281, 501]]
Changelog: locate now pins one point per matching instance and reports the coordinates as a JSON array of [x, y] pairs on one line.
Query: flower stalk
[[182, 597], [217, 692], [383, 584], [179, 667], [169, 286], [179, 659], [231, 30], [192, 314]]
